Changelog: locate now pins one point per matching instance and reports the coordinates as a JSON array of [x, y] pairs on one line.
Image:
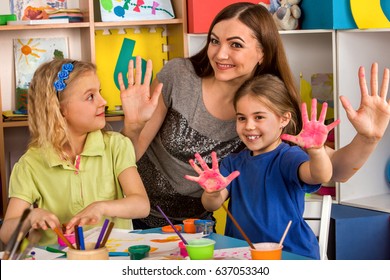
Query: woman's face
[[234, 51]]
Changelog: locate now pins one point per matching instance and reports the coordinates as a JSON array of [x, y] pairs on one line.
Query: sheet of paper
[[160, 243], [39, 254]]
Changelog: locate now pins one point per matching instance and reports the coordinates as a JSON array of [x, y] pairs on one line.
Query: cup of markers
[[90, 253]]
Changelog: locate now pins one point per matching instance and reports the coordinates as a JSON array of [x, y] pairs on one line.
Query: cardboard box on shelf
[[202, 12]]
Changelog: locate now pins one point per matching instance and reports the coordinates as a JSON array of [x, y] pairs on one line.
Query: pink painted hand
[[211, 180], [314, 133]]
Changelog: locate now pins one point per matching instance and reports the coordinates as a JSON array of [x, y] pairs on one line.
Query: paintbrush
[[16, 250], [238, 227], [13, 240], [33, 239]]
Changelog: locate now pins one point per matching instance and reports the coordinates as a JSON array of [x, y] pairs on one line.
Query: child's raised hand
[[137, 101], [314, 133], [210, 180]]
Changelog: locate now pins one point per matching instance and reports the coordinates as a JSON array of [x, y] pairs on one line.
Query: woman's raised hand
[[138, 102], [372, 117]]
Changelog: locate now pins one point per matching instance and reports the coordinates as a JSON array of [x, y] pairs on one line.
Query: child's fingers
[[195, 167], [323, 112], [232, 176], [191, 178], [305, 117], [332, 125], [214, 160], [313, 109], [290, 138], [202, 163]]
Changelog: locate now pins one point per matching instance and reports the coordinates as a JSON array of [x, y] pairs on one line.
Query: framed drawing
[[29, 53]]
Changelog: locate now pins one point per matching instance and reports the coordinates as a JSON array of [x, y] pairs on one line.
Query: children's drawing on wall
[[28, 55], [35, 9], [117, 10], [116, 47]]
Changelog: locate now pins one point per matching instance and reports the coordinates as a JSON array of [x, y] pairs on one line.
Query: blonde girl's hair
[[257, 18], [271, 90], [48, 127]]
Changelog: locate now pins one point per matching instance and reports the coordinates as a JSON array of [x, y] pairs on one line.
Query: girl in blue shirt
[[267, 181]]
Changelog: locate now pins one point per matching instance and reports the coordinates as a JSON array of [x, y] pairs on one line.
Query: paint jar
[[204, 226], [90, 253], [266, 251], [71, 237], [139, 252], [183, 249], [189, 225], [201, 249]]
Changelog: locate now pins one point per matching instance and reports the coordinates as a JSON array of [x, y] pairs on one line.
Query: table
[[225, 242]]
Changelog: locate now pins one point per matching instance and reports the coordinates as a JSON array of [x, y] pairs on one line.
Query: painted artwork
[[35, 9], [127, 10], [116, 47], [321, 88], [29, 53]]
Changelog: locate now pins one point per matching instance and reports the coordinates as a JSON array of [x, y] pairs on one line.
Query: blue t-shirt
[[267, 195]]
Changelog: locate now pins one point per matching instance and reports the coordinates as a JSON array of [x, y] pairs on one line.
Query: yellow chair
[[220, 217]]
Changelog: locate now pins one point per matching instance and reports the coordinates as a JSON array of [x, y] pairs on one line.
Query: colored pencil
[[54, 250], [81, 238], [13, 240], [108, 232], [76, 237], [174, 228], [59, 233], [104, 227], [238, 227]]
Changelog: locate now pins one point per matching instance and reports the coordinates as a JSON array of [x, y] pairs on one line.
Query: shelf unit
[[14, 134], [341, 52]]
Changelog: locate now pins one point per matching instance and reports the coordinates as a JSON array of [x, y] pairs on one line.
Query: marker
[[54, 250], [81, 238], [118, 254]]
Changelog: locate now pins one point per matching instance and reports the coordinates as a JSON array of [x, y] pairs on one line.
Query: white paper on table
[[120, 240], [39, 254]]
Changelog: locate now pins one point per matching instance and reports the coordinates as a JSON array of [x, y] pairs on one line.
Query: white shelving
[[368, 188]]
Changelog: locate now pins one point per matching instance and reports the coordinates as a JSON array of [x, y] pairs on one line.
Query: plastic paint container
[[183, 249], [71, 237], [201, 249], [189, 225], [266, 251], [205, 226]]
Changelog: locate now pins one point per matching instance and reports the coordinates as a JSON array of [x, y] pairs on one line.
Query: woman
[[195, 111]]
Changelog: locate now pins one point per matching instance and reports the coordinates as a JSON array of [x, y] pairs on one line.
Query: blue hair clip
[[63, 75]]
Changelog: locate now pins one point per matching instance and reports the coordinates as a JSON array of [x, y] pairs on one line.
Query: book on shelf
[[14, 115], [39, 21]]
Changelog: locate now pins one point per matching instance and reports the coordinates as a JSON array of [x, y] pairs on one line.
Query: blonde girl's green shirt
[[41, 178]]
